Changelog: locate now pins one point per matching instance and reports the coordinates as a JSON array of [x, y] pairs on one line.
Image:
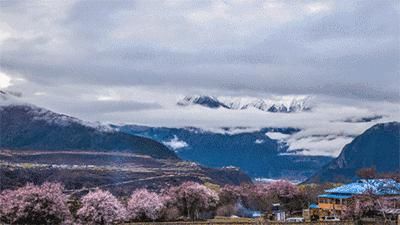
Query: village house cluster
[[380, 197]]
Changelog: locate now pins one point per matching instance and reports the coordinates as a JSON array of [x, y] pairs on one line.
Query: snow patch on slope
[[64, 120], [175, 144]]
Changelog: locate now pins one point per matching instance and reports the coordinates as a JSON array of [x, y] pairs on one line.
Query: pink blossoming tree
[[229, 198], [261, 196], [144, 205], [31, 204], [368, 204], [192, 199], [229, 195], [283, 189], [101, 207]]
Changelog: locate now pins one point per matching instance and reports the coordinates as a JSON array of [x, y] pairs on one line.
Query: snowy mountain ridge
[[282, 104], [9, 100]]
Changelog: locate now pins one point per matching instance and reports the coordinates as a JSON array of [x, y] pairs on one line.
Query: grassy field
[[240, 221]]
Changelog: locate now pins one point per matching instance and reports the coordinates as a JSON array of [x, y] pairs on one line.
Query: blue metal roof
[[313, 206], [376, 186], [335, 196]]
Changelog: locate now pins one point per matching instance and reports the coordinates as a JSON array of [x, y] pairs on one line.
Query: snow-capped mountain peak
[[258, 104], [203, 100], [301, 104], [284, 104]]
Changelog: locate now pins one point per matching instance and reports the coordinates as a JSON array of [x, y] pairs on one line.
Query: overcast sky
[[129, 61]]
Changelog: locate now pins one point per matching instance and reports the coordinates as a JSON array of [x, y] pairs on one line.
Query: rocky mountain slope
[[34, 128], [377, 147], [121, 173]]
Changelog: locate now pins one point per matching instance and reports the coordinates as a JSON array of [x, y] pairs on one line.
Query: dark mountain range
[[377, 147], [34, 128], [38, 145], [252, 151]]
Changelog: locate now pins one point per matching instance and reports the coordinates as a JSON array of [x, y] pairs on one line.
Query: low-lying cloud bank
[[323, 131]]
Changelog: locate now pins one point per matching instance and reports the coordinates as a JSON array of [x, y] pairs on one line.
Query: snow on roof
[[376, 186], [334, 196]]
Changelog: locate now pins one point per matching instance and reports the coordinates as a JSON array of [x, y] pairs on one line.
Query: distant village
[[368, 199]]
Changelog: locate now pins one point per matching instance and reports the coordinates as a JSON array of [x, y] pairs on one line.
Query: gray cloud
[[339, 48]]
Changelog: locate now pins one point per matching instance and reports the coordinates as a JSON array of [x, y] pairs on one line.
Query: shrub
[[101, 207], [31, 204]]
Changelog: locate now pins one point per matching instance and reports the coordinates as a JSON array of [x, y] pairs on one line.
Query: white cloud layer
[[277, 135], [323, 130]]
